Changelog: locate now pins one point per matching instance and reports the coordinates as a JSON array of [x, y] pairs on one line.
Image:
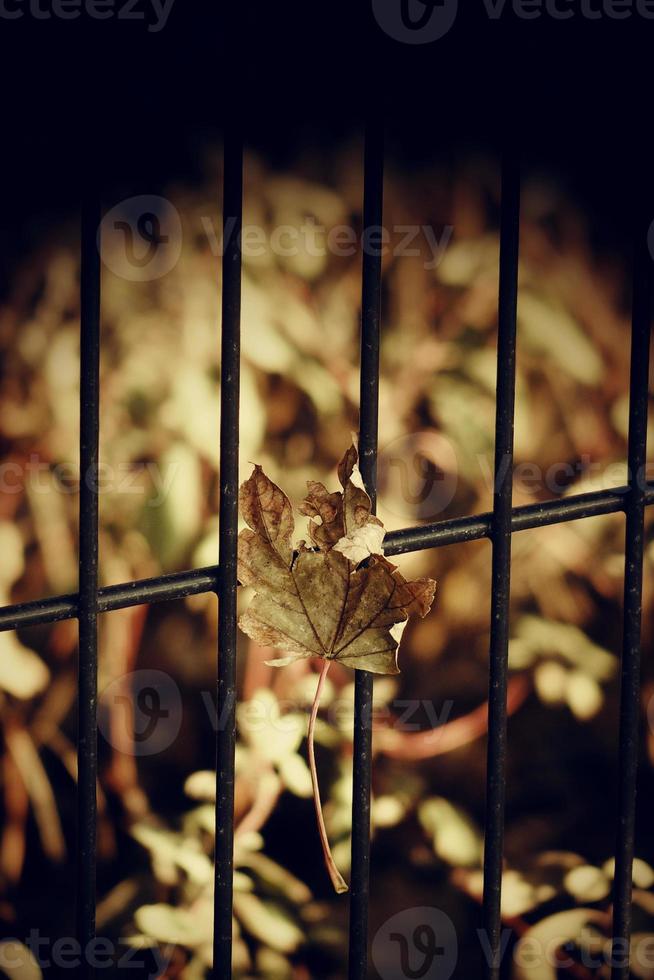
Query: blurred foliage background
[[159, 447]]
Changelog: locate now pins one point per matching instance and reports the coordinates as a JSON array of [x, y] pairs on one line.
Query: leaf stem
[[334, 873]]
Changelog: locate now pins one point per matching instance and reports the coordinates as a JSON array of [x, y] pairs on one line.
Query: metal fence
[[498, 526]]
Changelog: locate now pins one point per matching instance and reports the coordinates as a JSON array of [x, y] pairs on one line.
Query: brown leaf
[[329, 508], [320, 602], [268, 512], [347, 523]]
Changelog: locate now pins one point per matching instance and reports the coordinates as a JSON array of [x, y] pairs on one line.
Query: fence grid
[[87, 613], [498, 526], [635, 501], [228, 545], [371, 283], [501, 561]]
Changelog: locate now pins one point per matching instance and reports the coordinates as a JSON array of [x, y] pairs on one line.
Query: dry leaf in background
[[338, 600]]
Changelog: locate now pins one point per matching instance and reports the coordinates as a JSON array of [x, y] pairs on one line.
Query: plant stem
[[334, 873]]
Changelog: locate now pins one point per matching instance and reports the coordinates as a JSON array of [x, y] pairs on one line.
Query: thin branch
[[335, 875]]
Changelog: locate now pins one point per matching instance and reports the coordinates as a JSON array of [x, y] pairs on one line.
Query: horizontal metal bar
[[197, 581], [461, 529], [178, 585]]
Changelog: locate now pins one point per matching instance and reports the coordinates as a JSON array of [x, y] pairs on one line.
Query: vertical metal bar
[[368, 426], [228, 533], [501, 565], [633, 579], [87, 749]]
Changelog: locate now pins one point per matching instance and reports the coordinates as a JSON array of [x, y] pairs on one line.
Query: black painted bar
[[458, 530], [176, 585], [501, 565], [87, 731], [373, 195], [633, 581], [228, 541]]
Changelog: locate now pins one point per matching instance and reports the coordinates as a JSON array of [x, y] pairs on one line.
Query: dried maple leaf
[[338, 600], [347, 523]]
